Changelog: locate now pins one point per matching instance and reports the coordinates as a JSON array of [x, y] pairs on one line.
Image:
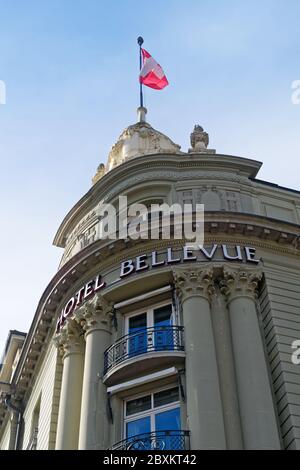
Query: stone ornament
[[140, 139], [194, 282], [70, 339], [99, 173], [240, 283], [200, 141], [95, 315]]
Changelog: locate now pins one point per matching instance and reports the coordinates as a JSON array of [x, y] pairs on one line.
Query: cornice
[[127, 174]]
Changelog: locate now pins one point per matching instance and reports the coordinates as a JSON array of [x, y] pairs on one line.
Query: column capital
[[194, 282], [240, 283], [70, 339], [95, 315]]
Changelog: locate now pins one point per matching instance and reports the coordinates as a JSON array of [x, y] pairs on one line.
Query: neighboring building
[[179, 348], [8, 364]]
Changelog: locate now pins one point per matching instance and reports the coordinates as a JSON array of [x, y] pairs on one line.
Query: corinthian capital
[[193, 282], [240, 283], [95, 315], [70, 339]]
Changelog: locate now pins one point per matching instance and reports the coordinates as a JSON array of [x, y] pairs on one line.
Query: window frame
[[151, 412], [150, 315]]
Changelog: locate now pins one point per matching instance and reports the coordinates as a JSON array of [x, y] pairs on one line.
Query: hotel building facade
[[148, 344]]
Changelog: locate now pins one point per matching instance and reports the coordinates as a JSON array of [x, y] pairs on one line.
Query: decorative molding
[[69, 340], [194, 282], [196, 195], [173, 176], [245, 168], [240, 283], [96, 314]]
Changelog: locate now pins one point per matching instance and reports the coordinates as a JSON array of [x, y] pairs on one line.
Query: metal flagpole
[[140, 41]]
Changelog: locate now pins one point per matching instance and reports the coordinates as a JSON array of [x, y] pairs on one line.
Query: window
[[153, 421], [151, 330], [32, 444], [146, 331]]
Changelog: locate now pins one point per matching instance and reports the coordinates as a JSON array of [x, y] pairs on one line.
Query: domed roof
[[137, 140]]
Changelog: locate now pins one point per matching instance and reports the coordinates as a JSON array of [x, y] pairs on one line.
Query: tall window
[[152, 329], [32, 444], [153, 421]]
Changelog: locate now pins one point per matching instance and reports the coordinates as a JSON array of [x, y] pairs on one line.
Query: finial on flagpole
[[140, 40]]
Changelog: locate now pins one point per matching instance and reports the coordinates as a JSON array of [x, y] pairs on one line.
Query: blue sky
[[70, 69]]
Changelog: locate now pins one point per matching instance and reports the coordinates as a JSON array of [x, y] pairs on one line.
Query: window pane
[[166, 396], [138, 405], [138, 426], [168, 420], [167, 425], [137, 330], [138, 322], [162, 316], [163, 336]]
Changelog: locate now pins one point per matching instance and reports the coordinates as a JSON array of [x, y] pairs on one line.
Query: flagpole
[[140, 41]]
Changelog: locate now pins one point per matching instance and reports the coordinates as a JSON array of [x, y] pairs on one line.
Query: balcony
[[148, 349], [159, 440], [32, 444]]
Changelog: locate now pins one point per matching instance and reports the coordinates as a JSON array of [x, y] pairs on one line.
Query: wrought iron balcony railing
[[159, 440], [32, 444], [163, 338]]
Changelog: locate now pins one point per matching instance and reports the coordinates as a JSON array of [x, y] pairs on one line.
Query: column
[[71, 346], [259, 424], [94, 423], [222, 335], [204, 406]]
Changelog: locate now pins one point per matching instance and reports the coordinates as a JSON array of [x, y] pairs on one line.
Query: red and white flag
[[151, 73]]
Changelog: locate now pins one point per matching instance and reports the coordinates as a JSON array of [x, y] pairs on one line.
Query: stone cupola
[[137, 140]]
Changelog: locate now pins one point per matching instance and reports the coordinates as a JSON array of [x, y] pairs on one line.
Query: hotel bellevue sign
[[244, 254]]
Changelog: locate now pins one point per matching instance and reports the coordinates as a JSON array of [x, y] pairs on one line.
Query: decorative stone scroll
[[194, 282], [70, 339], [95, 315], [240, 283]]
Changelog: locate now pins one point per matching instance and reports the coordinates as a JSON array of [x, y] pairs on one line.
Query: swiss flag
[[151, 73]]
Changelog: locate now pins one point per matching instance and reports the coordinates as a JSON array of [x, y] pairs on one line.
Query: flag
[[151, 73]]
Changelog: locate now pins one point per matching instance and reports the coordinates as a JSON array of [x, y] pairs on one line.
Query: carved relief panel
[[85, 233], [88, 236], [233, 201], [213, 198]]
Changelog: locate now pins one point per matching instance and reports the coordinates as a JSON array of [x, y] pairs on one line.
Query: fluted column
[[259, 425], [95, 318], [71, 346], [204, 407]]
